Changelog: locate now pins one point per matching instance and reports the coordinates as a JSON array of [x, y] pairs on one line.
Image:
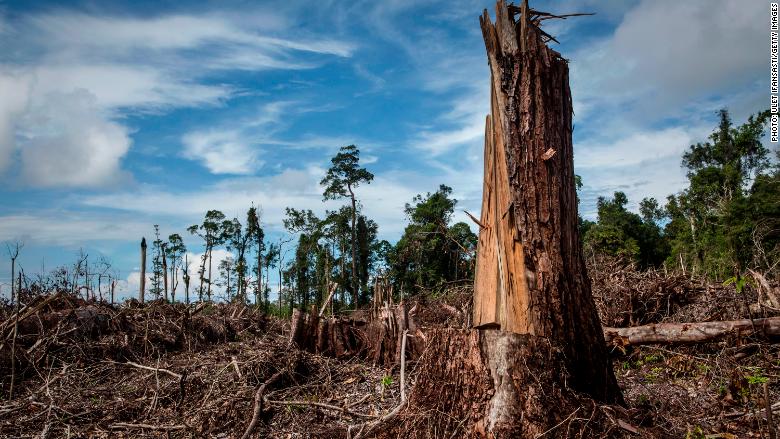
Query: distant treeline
[[726, 220]]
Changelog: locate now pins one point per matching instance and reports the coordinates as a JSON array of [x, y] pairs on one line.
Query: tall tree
[[226, 267], [255, 231], [309, 228], [344, 175], [710, 224], [366, 240], [621, 232], [175, 248], [186, 278], [157, 264], [210, 231], [238, 240], [336, 230], [13, 253], [430, 251], [270, 258], [142, 280]]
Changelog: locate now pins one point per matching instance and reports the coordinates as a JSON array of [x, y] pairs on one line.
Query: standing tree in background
[[13, 253], [342, 178], [712, 221], [309, 228], [239, 241], [620, 232], [366, 239], [270, 258], [255, 232], [142, 280], [186, 278], [280, 266], [336, 230], [175, 248], [430, 251], [226, 267], [157, 265], [210, 232]]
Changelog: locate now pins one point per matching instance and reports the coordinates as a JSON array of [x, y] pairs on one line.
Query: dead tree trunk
[[700, 332], [142, 282], [531, 276], [165, 274], [537, 353]]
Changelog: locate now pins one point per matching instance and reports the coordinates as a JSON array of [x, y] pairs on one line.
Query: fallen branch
[[122, 425], [153, 369], [344, 410], [259, 402], [674, 333]]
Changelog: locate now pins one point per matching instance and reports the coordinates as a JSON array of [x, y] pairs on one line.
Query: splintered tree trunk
[[537, 352], [531, 276]]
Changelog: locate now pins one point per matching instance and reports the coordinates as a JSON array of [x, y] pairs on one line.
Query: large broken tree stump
[[531, 276], [497, 384]]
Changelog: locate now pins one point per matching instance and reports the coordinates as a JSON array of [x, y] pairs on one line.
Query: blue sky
[[118, 115]]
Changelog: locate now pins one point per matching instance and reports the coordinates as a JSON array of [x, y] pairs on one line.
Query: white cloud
[[69, 143], [636, 148], [130, 64], [641, 164], [68, 228], [234, 147], [463, 124], [125, 86], [666, 55], [222, 152], [126, 36], [383, 200]]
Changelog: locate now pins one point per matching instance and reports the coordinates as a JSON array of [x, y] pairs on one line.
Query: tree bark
[[676, 333], [531, 276], [495, 384]]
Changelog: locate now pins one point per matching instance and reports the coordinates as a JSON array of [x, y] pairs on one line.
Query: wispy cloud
[[73, 76]]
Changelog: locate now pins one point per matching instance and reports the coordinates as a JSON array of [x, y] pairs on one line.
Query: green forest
[[724, 222]]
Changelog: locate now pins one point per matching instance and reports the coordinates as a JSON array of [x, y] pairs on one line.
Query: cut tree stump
[[497, 384], [377, 339]]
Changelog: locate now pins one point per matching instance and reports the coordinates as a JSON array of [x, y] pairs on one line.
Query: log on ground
[[700, 332]]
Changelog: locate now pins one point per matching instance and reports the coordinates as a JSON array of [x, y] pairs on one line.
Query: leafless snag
[[13, 252]]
